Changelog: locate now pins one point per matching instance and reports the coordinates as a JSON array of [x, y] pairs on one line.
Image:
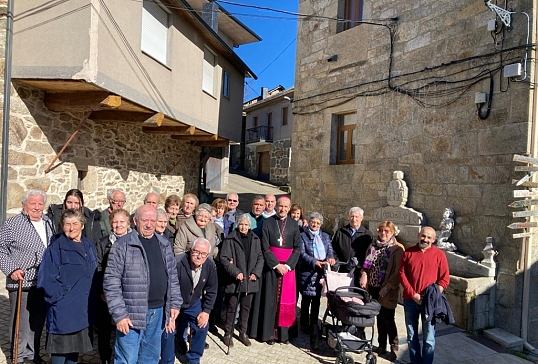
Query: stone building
[[382, 86], [269, 122], [149, 91]]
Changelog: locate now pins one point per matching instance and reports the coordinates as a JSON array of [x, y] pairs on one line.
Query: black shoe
[[206, 346], [270, 342], [228, 341], [285, 342], [182, 347], [244, 339]]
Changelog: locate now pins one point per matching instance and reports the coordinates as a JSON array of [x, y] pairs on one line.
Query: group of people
[[164, 277]]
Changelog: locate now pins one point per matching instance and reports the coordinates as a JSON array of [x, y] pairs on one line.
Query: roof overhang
[[104, 106]]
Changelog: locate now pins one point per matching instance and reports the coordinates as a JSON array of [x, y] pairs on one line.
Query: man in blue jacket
[[198, 281], [142, 290]]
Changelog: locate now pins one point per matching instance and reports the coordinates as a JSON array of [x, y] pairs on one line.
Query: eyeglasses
[[386, 231], [117, 202], [230, 200], [196, 252]]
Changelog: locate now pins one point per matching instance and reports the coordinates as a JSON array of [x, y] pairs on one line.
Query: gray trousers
[[32, 319]]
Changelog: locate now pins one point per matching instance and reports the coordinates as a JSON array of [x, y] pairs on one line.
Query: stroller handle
[[351, 264], [353, 289]]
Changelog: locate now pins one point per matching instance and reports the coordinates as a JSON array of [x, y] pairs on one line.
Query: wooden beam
[[155, 120], [195, 137], [125, 116], [210, 143], [81, 101], [171, 130]]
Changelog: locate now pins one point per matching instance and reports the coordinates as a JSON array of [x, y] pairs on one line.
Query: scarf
[[377, 261], [317, 245], [113, 236]]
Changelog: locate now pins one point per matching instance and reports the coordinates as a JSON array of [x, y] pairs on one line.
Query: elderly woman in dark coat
[[66, 275], [242, 259], [316, 251]]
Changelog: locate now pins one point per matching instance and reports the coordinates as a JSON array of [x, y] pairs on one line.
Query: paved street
[[453, 345]]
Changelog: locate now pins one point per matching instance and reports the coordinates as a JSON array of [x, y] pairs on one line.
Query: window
[[208, 76], [345, 148], [226, 84], [255, 121], [285, 115], [155, 24], [352, 13]]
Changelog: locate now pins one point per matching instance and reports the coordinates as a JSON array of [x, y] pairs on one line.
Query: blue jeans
[[412, 312], [141, 346], [187, 318], [168, 354]]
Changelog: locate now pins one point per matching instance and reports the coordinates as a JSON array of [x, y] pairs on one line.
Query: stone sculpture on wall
[[445, 231], [408, 221]]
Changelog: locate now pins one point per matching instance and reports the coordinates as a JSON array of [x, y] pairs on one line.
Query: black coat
[[346, 247], [206, 287], [92, 227], [234, 261]]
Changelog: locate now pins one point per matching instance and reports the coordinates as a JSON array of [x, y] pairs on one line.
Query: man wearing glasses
[[233, 211], [116, 200], [198, 282], [142, 290]]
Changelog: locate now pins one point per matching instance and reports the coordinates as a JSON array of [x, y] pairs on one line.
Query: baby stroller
[[351, 310]]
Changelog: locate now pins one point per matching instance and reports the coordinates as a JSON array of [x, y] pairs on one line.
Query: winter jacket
[[346, 246], [104, 222], [103, 250], [233, 260], [188, 232], [22, 248], [392, 277], [435, 306], [309, 273], [126, 281], [66, 278], [206, 289], [92, 227]]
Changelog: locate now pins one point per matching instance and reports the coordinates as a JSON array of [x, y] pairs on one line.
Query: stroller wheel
[[371, 359], [344, 358]]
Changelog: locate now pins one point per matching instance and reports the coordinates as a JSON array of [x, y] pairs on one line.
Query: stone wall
[[280, 161], [422, 121], [251, 161], [100, 157]]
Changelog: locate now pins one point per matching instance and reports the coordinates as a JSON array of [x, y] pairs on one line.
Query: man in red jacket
[[421, 265]]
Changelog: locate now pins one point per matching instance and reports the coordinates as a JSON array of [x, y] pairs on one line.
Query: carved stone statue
[[446, 226], [397, 191]]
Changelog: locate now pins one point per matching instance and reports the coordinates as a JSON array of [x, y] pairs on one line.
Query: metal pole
[[5, 116]]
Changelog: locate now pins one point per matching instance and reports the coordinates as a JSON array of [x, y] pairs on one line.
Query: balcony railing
[[260, 134]]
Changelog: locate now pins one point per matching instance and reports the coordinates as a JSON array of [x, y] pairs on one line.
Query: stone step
[[505, 339]]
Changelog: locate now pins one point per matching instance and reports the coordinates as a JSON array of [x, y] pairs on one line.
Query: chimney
[[209, 14], [265, 92]]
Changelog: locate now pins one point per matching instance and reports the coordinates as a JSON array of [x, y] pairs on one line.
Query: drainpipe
[[526, 244], [5, 117]]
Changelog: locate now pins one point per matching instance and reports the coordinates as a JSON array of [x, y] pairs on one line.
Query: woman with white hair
[[242, 259], [199, 225], [316, 252]]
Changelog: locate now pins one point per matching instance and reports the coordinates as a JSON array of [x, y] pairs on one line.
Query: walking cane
[[17, 323], [235, 315]]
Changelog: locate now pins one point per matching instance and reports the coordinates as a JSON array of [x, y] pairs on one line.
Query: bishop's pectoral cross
[[280, 240]]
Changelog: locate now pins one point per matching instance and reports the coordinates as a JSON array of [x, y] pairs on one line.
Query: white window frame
[[208, 71], [155, 30]]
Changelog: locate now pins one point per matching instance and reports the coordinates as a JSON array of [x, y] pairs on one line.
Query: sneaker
[[244, 339], [228, 341]]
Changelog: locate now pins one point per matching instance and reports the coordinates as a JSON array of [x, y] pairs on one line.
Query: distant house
[[154, 90], [268, 135]]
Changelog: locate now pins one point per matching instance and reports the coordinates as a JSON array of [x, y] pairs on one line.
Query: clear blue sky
[[277, 31]]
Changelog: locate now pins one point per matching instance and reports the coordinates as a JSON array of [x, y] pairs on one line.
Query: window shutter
[[154, 31], [208, 69]]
